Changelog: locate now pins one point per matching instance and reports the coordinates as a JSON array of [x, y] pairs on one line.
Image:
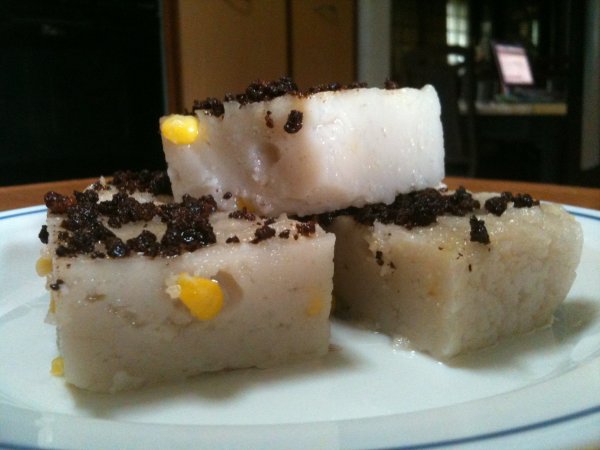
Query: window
[[457, 26]]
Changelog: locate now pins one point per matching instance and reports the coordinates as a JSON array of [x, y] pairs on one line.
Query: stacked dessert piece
[[452, 272], [448, 272], [146, 289]]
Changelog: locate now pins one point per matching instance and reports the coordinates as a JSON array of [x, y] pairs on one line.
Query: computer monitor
[[513, 65]]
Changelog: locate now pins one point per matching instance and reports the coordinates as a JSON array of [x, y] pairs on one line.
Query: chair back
[[449, 70]]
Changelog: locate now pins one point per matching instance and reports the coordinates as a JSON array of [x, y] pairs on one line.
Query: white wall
[[374, 41]]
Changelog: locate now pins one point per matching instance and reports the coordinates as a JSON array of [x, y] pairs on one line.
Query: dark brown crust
[[478, 231], [334, 87], [260, 91], [269, 120], [232, 240], [263, 233], [242, 214], [417, 208], [391, 84], [497, 205], [84, 233], [56, 285], [307, 228], [155, 182], [210, 106], [294, 122], [379, 257], [422, 208], [43, 234], [524, 201]]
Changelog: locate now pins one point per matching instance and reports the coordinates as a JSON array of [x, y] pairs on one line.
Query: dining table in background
[[19, 196]]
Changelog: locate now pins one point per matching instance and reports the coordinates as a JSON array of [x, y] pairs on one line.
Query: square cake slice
[[453, 273], [279, 150], [145, 292]]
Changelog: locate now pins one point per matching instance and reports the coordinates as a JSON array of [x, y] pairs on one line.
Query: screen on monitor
[[513, 64]]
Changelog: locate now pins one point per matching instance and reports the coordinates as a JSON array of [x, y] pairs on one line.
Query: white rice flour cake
[[476, 273], [143, 293], [278, 150]]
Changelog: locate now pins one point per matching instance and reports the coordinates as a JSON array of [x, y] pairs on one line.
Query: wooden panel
[[323, 41], [174, 95], [226, 44]]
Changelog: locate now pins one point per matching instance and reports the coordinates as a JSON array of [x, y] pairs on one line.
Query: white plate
[[536, 391]]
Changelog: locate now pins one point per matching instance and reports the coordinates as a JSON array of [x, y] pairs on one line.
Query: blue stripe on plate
[[20, 213], [506, 432]]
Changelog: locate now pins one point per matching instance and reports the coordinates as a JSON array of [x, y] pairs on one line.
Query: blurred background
[[83, 82]]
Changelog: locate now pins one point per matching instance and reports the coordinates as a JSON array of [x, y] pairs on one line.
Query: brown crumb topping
[[43, 234], [390, 84], [155, 182], [333, 87], [232, 240], [56, 285], [524, 201], [294, 122], [307, 228], [242, 214], [269, 120], [417, 208], [84, 233], [260, 91], [478, 231], [263, 233], [422, 208], [210, 106], [497, 205]]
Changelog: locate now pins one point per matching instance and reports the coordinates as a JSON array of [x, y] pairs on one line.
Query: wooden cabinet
[[219, 46], [323, 41]]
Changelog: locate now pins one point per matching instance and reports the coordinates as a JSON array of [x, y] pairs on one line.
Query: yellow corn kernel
[[43, 266], [242, 203], [57, 368], [180, 129], [315, 306], [202, 296]]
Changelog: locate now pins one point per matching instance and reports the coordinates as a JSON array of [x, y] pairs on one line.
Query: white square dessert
[[144, 293], [278, 150], [459, 278]]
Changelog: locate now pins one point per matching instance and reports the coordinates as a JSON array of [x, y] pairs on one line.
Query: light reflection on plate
[[540, 390]]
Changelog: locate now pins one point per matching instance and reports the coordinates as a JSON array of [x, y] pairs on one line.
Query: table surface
[[516, 109], [521, 109], [13, 197]]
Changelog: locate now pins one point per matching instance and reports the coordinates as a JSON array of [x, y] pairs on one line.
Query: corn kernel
[[180, 129], [43, 266], [57, 368], [202, 296], [315, 306]]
